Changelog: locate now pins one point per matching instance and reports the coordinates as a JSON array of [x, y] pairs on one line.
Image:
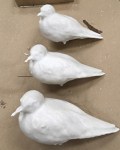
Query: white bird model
[[61, 28], [53, 121], [57, 68]]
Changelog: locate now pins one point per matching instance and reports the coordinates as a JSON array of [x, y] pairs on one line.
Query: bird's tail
[[99, 131], [97, 127], [87, 71], [86, 33], [104, 131]]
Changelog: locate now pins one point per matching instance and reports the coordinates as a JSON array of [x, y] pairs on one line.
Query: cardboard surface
[[39, 2], [99, 97]]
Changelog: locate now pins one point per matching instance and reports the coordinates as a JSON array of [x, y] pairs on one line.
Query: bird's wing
[[60, 65], [66, 67], [63, 28], [57, 120], [62, 105], [75, 123], [63, 25]]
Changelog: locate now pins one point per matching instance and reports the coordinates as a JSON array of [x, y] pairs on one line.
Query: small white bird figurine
[[61, 28], [57, 68], [53, 121]]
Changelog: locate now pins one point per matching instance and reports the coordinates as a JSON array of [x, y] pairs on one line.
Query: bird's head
[[46, 10], [37, 52], [30, 102]]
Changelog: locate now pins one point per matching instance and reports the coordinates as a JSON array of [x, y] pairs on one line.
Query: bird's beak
[[39, 14], [26, 54], [29, 58], [18, 110]]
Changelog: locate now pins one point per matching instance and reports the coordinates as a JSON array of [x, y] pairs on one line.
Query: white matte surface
[[52, 121]]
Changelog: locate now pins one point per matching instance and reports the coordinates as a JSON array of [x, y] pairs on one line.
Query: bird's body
[[61, 28], [58, 68], [56, 121]]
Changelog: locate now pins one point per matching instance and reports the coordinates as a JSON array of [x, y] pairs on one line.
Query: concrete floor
[[99, 97]]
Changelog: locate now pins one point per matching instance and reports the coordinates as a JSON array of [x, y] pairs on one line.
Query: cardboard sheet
[[99, 97], [39, 2]]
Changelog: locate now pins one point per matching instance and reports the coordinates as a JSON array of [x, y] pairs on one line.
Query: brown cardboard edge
[[28, 3]]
